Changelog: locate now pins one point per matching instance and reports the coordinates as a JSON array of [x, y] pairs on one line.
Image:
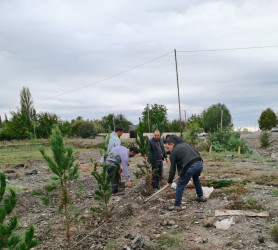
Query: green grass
[[20, 154], [13, 155], [169, 240], [275, 192], [111, 245]]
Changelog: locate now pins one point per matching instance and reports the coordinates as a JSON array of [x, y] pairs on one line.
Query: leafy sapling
[[7, 238], [65, 171]]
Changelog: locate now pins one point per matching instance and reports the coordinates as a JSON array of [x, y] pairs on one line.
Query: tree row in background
[[26, 123]]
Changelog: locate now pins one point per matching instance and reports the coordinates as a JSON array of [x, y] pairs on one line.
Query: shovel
[[121, 183], [160, 190]]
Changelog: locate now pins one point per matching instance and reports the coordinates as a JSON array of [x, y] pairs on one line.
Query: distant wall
[[150, 135]]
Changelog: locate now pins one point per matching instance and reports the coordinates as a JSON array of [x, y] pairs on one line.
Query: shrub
[[264, 139], [86, 129], [227, 140]]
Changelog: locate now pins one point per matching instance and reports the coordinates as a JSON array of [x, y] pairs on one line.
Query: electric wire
[[105, 79], [227, 49]]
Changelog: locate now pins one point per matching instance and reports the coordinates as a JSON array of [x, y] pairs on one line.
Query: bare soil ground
[[159, 227]]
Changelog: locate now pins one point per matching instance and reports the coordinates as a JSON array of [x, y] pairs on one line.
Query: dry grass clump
[[264, 179], [235, 189], [241, 204], [274, 233]]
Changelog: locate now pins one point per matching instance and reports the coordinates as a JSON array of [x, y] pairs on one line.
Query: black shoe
[[201, 199], [119, 192]]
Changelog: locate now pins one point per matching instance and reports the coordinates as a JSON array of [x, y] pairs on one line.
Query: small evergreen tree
[[62, 165], [7, 238], [104, 190], [264, 139], [144, 149], [267, 120]]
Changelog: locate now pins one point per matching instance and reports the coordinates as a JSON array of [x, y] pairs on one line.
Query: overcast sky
[[63, 49]]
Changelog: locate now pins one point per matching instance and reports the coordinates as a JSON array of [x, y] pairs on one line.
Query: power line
[[213, 50], [154, 59], [105, 79]]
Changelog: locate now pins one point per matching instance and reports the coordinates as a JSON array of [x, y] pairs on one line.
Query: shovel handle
[[160, 190]]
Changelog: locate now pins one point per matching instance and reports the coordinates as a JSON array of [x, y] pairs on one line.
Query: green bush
[[264, 139], [83, 129], [227, 140]]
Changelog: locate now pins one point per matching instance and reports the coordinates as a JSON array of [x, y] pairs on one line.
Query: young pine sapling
[[7, 238], [145, 169], [62, 165], [104, 179]]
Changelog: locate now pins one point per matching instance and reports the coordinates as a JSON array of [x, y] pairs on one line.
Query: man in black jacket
[[157, 155], [189, 165]]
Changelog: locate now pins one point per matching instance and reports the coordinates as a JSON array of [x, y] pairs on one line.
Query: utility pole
[[148, 117], [178, 84], [221, 117], [184, 116], [113, 121]]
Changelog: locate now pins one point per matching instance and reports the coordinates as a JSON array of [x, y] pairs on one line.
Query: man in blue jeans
[[189, 165]]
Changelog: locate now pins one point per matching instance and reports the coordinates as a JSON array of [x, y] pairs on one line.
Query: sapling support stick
[[160, 190]]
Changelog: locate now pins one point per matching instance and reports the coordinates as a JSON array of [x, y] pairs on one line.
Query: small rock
[[171, 222], [208, 222], [164, 223], [198, 239], [261, 239], [32, 172]]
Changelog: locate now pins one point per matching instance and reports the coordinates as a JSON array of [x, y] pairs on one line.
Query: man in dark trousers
[[157, 155], [189, 165], [118, 155]]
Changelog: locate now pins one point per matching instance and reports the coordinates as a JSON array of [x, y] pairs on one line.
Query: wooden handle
[[160, 190]]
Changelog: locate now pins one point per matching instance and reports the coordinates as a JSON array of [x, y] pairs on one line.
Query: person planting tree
[[189, 165], [118, 155]]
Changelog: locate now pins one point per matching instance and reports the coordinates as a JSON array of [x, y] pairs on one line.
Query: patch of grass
[[17, 190], [237, 188], [258, 158], [274, 233], [111, 245], [27, 151], [221, 183], [269, 180], [275, 192], [169, 240], [250, 204], [173, 230], [150, 246]]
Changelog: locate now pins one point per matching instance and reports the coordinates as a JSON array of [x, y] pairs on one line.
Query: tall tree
[[267, 120], [46, 122], [155, 116], [110, 120], [195, 119], [214, 115], [22, 125]]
